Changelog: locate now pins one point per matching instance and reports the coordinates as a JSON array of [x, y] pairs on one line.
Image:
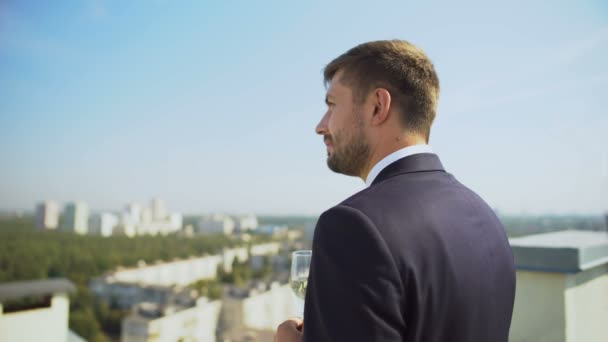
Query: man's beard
[[352, 157]]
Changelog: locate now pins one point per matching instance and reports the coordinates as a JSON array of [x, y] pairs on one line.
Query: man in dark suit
[[416, 256]]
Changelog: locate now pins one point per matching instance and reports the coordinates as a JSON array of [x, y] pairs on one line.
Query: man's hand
[[290, 331]]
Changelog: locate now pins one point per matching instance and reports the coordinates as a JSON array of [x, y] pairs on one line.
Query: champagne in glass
[[299, 287], [300, 265]]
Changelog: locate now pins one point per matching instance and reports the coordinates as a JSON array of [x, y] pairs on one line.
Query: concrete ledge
[[568, 251], [20, 289]]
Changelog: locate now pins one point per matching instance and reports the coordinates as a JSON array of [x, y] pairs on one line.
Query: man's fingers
[[298, 320], [290, 331], [292, 324]]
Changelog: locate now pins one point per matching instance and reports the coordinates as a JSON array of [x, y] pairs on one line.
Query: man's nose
[[321, 128]]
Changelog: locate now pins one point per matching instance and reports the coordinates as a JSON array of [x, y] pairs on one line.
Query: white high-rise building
[[104, 224], [146, 216], [216, 224], [247, 223], [152, 220], [47, 215], [159, 211], [132, 213], [76, 218], [176, 221]]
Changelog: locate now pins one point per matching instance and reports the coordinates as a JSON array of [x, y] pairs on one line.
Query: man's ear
[[382, 103]]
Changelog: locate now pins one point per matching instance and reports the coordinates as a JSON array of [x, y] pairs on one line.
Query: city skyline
[[213, 107], [61, 205], [207, 212]]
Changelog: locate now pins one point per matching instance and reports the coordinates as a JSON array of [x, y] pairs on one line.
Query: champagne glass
[[300, 265]]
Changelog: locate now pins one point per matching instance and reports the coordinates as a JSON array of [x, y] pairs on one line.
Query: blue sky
[[212, 106]]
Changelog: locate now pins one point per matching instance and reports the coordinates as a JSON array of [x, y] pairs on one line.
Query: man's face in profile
[[342, 129]]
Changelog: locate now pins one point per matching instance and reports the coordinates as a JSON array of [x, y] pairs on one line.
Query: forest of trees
[[30, 254]]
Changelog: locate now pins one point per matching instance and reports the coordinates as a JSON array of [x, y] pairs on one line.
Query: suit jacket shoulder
[[415, 257]]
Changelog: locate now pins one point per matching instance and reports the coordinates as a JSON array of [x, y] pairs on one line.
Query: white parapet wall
[[47, 321], [198, 323], [266, 310], [586, 303], [51, 324], [562, 287]]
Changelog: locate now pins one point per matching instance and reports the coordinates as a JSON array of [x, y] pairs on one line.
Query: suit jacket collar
[[422, 162]]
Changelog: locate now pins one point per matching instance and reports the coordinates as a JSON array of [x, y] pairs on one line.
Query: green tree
[[84, 323]]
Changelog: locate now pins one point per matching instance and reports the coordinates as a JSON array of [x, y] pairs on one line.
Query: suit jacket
[[417, 256]]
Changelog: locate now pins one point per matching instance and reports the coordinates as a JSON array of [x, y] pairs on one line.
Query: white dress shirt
[[393, 157]]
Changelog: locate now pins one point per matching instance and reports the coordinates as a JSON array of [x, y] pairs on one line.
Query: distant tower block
[[133, 213], [76, 218], [47, 215], [159, 212]]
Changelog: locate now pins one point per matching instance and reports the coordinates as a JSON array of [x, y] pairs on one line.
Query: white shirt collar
[[393, 157]]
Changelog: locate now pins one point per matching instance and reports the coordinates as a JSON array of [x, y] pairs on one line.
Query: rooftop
[[141, 264], [568, 251], [20, 289]]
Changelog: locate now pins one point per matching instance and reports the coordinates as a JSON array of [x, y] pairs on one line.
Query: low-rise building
[[268, 248], [562, 287], [229, 255], [261, 251], [293, 235], [260, 307], [124, 287], [180, 272], [123, 295], [44, 318], [178, 319], [273, 230], [265, 309]]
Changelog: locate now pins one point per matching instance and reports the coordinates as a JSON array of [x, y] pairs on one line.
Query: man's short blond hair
[[399, 67]]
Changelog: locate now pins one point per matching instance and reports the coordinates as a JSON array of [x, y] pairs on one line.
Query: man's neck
[[382, 153]]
